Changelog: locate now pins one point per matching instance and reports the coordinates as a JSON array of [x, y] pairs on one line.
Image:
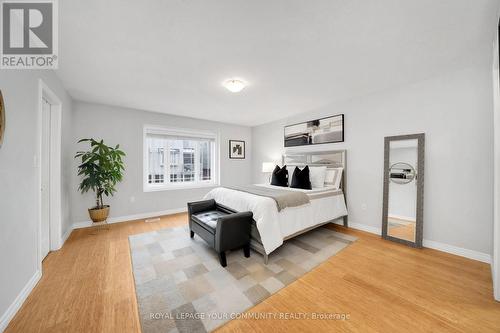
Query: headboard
[[328, 158]]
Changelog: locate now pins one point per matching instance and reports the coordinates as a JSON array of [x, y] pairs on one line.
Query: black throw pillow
[[300, 179], [280, 176]]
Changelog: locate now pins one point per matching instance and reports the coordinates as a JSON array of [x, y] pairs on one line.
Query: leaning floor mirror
[[404, 189]]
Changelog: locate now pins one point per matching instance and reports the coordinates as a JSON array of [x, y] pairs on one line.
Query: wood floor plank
[[88, 286]]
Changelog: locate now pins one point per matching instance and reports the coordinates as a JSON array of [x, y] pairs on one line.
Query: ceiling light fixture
[[234, 85]]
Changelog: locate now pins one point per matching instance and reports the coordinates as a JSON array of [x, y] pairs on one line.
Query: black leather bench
[[221, 227]]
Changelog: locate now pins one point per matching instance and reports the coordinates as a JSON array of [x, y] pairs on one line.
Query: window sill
[[148, 188]]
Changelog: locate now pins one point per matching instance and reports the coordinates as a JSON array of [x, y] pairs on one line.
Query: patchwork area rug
[[181, 287]]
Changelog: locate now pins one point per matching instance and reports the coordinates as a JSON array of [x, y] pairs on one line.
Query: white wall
[[124, 126], [18, 181], [454, 110]]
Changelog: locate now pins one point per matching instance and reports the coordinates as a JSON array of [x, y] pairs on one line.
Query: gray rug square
[[257, 293], [195, 270], [181, 287]]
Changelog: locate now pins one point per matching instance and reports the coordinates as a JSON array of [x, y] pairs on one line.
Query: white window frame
[[159, 130]]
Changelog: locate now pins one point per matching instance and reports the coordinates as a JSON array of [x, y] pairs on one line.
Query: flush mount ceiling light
[[234, 85]]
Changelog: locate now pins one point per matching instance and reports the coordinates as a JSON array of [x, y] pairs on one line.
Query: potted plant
[[102, 168]]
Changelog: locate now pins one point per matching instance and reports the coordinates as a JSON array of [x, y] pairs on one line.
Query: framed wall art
[[237, 149], [324, 130]]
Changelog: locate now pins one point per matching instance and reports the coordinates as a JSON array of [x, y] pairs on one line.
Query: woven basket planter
[[99, 214]]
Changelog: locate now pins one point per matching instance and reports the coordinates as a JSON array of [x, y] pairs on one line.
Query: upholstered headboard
[[328, 158]]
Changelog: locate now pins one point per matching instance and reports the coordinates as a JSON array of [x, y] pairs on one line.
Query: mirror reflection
[[402, 208]]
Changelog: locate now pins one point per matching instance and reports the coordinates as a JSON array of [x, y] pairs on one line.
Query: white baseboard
[[18, 302], [66, 236], [402, 217], [127, 218], [459, 251], [363, 227]]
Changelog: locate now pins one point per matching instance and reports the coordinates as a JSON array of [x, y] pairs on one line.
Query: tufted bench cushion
[[208, 219]]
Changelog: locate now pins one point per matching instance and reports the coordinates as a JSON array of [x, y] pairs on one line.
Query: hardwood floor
[[401, 229], [87, 286]]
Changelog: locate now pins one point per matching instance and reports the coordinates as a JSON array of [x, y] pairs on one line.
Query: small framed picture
[[237, 149]]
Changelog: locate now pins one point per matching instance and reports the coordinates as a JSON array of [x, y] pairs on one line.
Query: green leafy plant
[[101, 168]]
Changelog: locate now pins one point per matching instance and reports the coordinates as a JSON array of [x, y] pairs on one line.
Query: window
[[178, 159]]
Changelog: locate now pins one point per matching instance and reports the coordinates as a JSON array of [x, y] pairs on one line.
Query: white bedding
[[274, 226]]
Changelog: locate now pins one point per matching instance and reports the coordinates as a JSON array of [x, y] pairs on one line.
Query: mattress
[[326, 204]]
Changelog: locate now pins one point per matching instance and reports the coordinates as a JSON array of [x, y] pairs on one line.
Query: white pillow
[[333, 177], [317, 176]]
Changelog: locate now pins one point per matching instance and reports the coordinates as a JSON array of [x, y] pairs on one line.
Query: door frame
[[55, 232], [495, 263]]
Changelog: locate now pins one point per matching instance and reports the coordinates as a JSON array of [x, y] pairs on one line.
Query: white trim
[[179, 186], [55, 172], [495, 267], [459, 251], [155, 129], [362, 227], [18, 302], [119, 219], [66, 235], [402, 217]]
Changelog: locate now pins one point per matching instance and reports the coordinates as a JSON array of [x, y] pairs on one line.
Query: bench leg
[[246, 250], [222, 259], [191, 233]]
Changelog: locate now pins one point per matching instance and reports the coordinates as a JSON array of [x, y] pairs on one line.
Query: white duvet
[[274, 226]]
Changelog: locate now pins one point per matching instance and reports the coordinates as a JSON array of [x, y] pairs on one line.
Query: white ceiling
[[171, 56]]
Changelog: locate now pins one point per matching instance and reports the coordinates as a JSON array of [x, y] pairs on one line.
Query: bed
[[271, 225]]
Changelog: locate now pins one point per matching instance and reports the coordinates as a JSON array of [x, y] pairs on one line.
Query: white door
[[45, 170]]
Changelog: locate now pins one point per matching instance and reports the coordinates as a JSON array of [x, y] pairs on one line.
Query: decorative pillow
[[317, 176], [330, 176], [280, 176], [300, 179], [333, 177]]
